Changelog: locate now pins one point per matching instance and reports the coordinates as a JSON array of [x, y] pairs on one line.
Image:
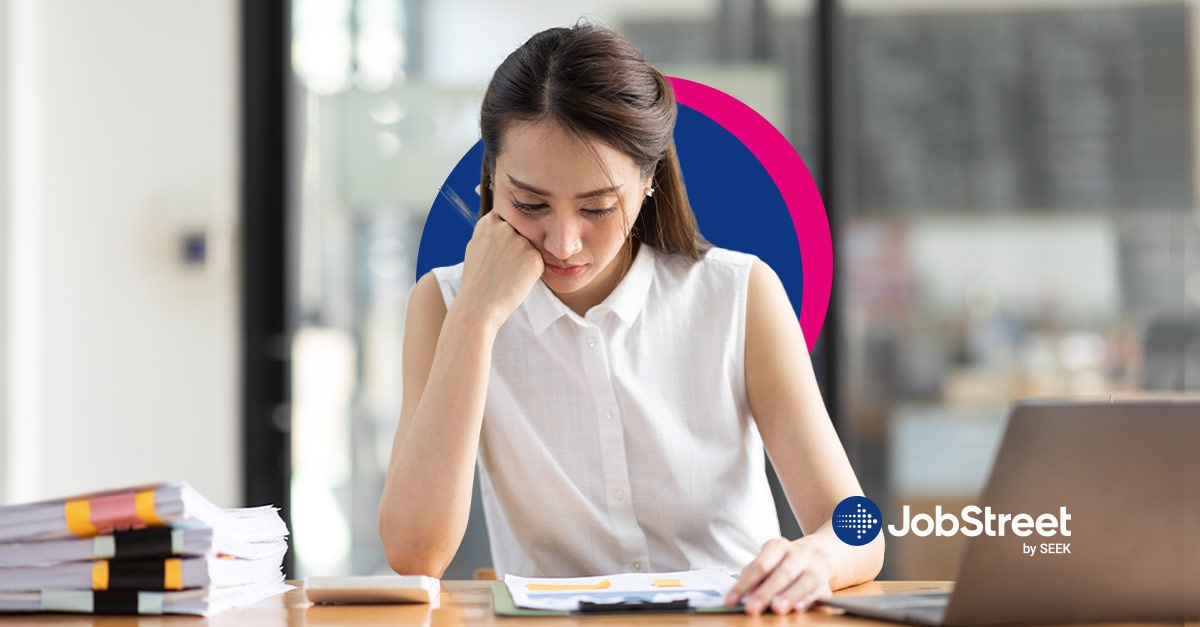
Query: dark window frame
[[265, 290]]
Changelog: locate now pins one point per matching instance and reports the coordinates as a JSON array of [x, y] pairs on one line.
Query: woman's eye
[[537, 208], [529, 208]]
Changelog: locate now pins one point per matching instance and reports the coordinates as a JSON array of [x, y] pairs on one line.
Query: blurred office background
[[1011, 189]]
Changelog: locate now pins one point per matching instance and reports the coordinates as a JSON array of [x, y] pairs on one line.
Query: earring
[[649, 192], [490, 185]]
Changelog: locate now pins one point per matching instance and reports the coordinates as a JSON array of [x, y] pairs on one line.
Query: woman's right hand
[[499, 270]]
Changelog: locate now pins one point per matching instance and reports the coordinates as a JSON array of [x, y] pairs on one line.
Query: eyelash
[[538, 208]]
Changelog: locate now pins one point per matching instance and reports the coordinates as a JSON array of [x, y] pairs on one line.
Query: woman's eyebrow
[[541, 192]]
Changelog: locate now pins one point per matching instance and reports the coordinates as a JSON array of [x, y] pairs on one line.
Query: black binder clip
[[634, 605]]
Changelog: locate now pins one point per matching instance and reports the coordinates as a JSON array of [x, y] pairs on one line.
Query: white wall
[[123, 361]]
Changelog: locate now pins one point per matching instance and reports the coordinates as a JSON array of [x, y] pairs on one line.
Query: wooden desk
[[461, 603]]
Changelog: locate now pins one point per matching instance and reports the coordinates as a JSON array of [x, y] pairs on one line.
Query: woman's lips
[[565, 270]]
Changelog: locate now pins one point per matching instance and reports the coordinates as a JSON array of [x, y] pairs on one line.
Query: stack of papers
[[154, 549], [701, 589]]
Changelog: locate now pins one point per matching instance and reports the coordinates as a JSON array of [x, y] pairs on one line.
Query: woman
[[614, 375]]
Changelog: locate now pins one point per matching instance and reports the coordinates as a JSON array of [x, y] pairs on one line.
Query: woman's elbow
[[405, 563], [858, 564], [408, 554], [874, 562]]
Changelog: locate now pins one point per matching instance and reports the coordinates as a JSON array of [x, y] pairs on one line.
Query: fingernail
[[754, 607]]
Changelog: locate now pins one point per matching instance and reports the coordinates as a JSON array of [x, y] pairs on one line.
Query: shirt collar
[[627, 300]]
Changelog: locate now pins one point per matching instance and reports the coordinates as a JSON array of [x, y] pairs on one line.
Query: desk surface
[[461, 603]]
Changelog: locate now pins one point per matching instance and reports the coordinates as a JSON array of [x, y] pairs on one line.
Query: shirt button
[[591, 341], [618, 494], [608, 414], [636, 565]]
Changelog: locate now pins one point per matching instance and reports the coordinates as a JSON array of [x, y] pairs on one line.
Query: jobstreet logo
[[856, 520], [991, 524]]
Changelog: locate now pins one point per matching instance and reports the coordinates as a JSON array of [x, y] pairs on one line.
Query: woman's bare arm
[[447, 360], [807, 455]]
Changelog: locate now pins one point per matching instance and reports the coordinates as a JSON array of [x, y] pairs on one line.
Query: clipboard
[[502, 605]]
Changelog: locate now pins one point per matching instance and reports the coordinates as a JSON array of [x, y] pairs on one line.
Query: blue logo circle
[[856, 520]]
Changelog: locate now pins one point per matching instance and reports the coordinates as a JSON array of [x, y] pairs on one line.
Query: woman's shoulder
[[714, 262], [727, 257], [447, 279], [445, 274]]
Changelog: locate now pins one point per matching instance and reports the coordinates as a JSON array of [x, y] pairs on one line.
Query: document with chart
[[699, 588]]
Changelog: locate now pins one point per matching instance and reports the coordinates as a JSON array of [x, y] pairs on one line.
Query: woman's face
[[574, 200]]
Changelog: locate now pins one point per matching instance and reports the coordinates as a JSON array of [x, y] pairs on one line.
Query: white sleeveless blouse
[[622, 440]]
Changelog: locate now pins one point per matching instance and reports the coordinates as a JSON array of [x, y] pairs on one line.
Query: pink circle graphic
[[795, 184]]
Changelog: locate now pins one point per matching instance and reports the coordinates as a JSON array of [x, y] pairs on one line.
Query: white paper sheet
[[702, 588]]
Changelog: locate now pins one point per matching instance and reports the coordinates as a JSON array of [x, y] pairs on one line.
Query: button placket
[[615, 467]]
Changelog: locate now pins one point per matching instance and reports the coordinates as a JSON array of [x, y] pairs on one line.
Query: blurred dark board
[[1055, 109]]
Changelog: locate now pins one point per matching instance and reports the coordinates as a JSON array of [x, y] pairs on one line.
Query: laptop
[[1128, 473]]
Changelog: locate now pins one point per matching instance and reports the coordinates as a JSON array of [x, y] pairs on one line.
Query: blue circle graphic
[[856, 520], [737, 204]]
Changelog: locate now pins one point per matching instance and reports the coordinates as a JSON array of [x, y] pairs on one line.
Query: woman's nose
[[563, 239]]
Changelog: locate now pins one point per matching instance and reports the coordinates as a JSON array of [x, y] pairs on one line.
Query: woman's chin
[[560, 284]]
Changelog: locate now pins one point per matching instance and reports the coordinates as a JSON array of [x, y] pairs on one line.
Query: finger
[[485, 220], [785, 574], [799, 596], [763, 563], [772, 553]]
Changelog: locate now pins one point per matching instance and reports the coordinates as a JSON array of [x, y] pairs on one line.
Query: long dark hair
[[595, 83]]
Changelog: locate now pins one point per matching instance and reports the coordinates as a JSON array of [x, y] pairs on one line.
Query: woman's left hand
[[787, 575]]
